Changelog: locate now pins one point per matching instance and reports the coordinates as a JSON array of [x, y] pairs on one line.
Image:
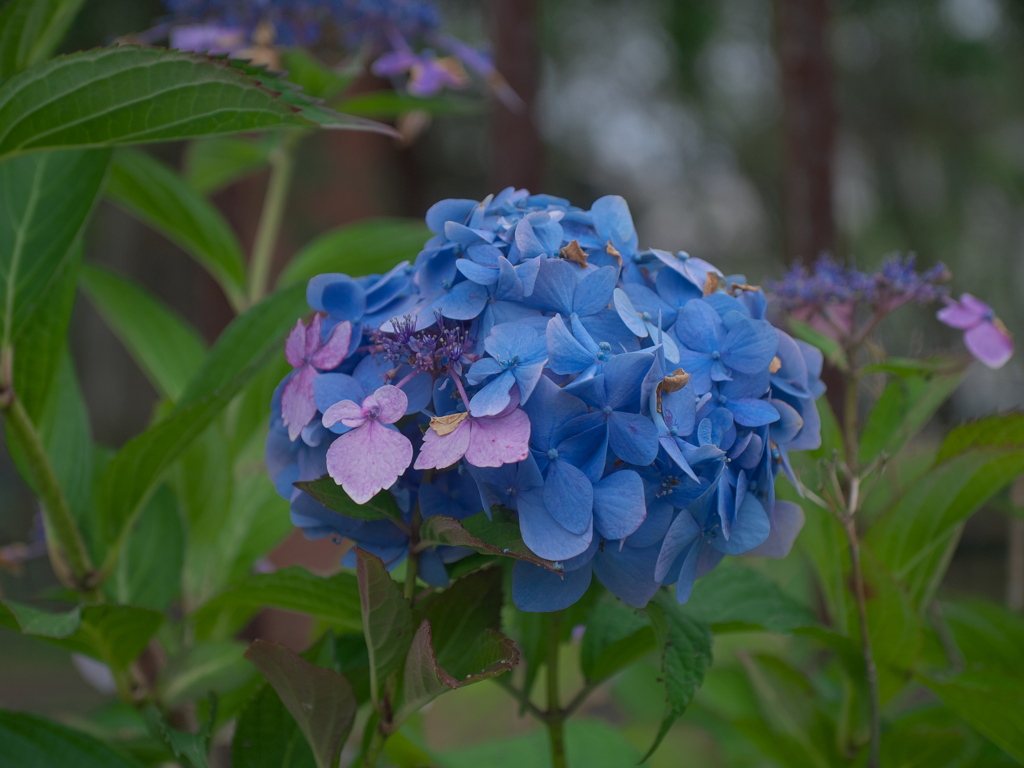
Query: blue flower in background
[[658, 404]]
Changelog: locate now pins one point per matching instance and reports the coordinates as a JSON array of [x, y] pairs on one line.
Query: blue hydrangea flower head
[[630, 408]]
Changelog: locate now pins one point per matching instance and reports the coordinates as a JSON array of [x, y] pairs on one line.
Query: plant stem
[[870, 670], [56, 512], [555, 714], [281, 167], [851, 443]]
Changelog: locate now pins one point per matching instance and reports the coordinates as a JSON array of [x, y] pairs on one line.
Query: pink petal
[[499, 440], [369, 459], [335, 349], [347, 412], [392, 403], [298, 406], [313, 335], [990, 344], [295, 346], [787, 521], [440, 451], [966, 313]]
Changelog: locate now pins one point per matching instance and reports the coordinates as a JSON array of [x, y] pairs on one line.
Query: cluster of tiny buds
[[439, 350]]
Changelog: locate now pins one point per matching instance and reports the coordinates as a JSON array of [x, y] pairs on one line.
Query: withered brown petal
[[445, 425]]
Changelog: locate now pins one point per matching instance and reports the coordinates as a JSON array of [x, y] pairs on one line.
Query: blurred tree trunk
[[809, 126], [517, 148]]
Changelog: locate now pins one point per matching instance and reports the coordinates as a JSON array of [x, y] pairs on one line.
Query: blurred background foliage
[[689, 109]]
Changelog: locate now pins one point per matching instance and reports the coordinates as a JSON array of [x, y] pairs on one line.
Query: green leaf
[[366, 247], [387, 621], [333, 600], [167, 349], [734, 597], [905, 406], [128, 95], [686, 657], [794, 712], [460, 617], [616, 636], [424, 679], [912, 538], [44, 201], [206, 667], [320, 699], [268, 737], [333, 496], [193, 748], [148, 573], [498, 535], [242, 350], [995, 707], [588, 743], [155, 194], [40, 623], [114, 634], [31, 30], [40, 348], [999, 431], [316, 78], [387, 104], [30, 741], [215, 162]]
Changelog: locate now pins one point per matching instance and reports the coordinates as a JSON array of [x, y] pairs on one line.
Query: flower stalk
[[555, 716], [282, 166], [68, 553]]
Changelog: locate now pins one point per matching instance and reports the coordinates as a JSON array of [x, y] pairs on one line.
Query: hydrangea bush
[[533, 423]]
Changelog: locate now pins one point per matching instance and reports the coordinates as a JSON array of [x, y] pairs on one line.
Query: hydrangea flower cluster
[[401, 37], [630, 407], [834, 297]]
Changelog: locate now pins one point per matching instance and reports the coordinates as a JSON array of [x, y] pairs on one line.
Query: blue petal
[[753, 413], [510, 286], [698, 327], [750, 346], [448, 210], [624, 376], [750, 528], [555, 286], [510, 340], [628, 314], [477, 273], [463, 302], [569, 496], [331, 388], [536, 589], [542, 533], [688, 571], [628, 573], [549, 408], [463, 235], [683, 531], [619, 508], [698, 365], [565, 354], [494, 397], [614, 223], [594, 292], [338, 295], [633, 437], [482, 368], [586, 448]]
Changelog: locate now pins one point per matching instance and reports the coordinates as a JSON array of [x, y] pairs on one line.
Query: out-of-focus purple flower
[[400, 37], [984, 334], [830, 296], [372, 456]]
